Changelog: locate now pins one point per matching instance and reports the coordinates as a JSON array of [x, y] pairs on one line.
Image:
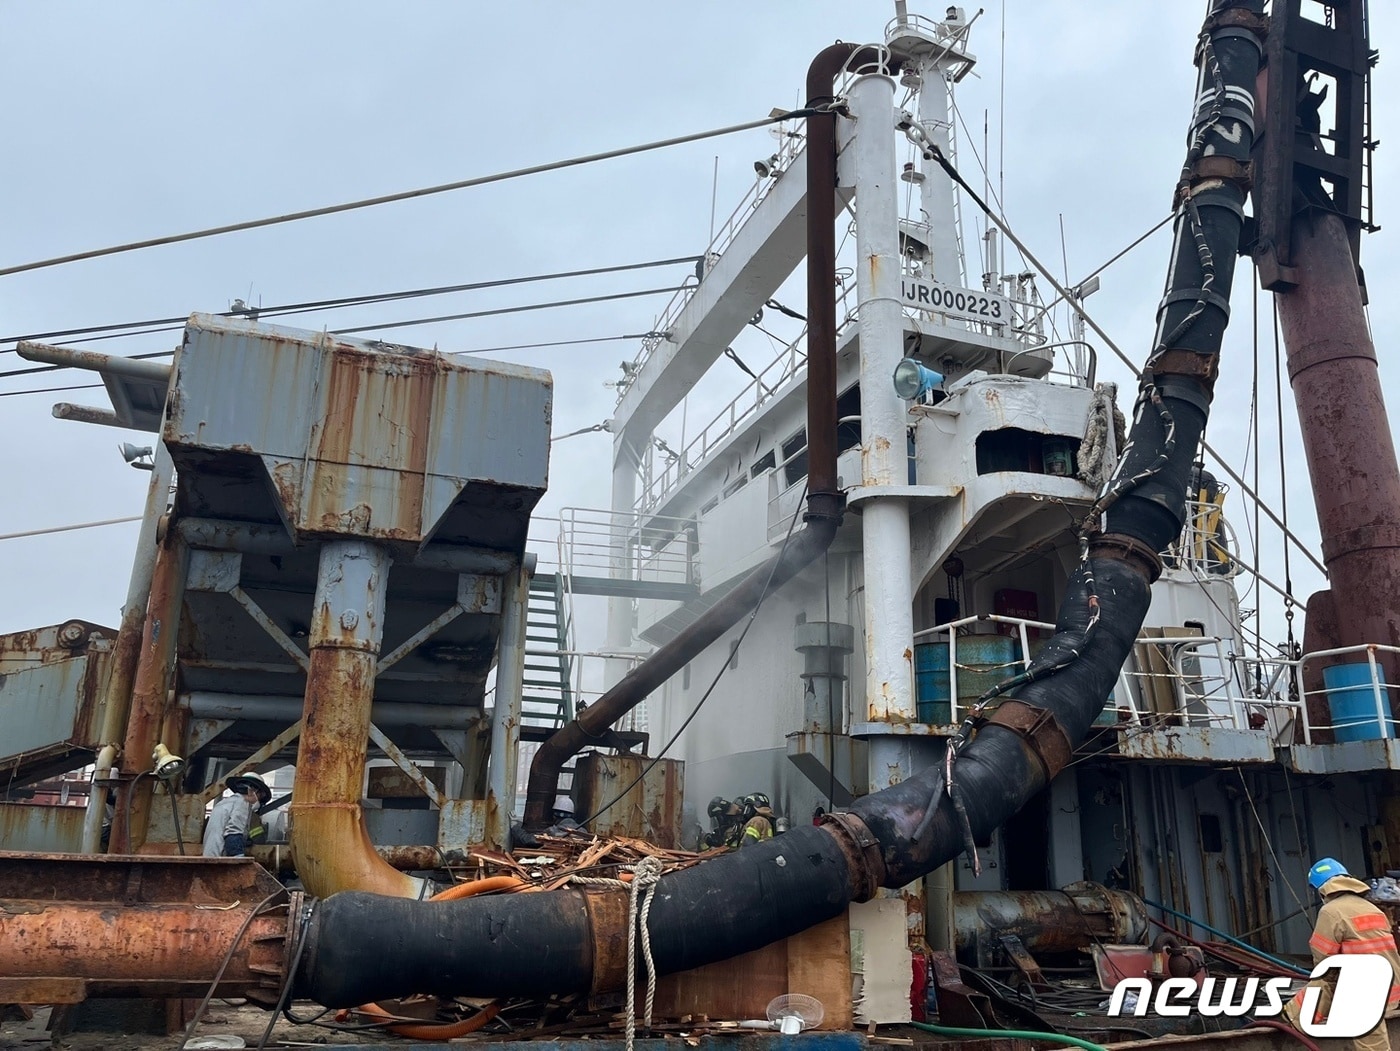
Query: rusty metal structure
[[341, 575]]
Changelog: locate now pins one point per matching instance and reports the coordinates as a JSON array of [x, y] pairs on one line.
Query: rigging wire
[[70, 528], [1268, 842], [405, 195], [1283, 483], [494, 312], [1099, 331], [1253, 440], [724, 666], [351, 301], [50, 390]]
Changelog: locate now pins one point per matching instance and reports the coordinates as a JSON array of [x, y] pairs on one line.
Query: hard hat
[[240, 783], [564, 804], [719, 807], [758, 801], [1324, 870]]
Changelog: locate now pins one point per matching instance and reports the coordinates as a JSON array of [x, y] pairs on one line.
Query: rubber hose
[[1010, 1034], [481, 886], [436, 1030], [363, 947], [1231, 939]]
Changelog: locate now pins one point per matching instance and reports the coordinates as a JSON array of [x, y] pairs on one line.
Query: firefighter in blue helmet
[[1348, 923]]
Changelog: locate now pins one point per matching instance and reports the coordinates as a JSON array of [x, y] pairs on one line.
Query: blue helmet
[[1324, 870]]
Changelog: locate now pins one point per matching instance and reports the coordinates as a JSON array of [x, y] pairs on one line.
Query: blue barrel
[[1352, 699], [983, 661], [931, 682]]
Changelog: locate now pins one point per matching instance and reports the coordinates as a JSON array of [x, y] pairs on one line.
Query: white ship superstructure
[[960, 537]]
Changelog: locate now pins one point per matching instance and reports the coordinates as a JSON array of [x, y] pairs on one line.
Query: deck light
[[913, 380]]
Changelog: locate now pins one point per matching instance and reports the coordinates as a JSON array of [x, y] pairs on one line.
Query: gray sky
[[129, 121]]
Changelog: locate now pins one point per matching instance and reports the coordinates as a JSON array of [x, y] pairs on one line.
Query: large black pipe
[[546, 943], [363, 947], [825, 501]]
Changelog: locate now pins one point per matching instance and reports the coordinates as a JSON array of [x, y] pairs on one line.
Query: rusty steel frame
[[407, 765], [262, 755], [154, 676]]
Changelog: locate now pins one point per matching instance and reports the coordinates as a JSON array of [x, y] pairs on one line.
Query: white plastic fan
[[793, 1012]]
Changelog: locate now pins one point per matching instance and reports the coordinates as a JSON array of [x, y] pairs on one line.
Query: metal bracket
[[1024, 962], [862, 850], [476, 593], [262, 755], [407, 765], [1041, 731]]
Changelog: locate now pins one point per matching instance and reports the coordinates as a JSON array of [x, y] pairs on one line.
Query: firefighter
[[758, 818], [227, 834], [1348, 923], [726, 823]]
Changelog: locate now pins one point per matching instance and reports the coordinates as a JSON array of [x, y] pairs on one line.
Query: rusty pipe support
[[94, 361], [329, 841], [825, 501], [150, 691], [116, 692], [504, 767]]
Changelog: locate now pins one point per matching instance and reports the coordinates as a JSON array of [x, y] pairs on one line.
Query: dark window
[[848, 434], [765, 463], [1012, 449], [795, 466], [1212, 842]]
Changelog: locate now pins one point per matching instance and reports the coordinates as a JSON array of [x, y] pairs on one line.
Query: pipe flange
[[1123, 548], [608, 924], [864, 854], [1040, 730], [1238, 18], [1204, 367]]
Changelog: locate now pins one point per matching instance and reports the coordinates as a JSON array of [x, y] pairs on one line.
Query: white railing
[[1365, 697], [1186, 681], [658, 485], [792, 143], [626, 545]]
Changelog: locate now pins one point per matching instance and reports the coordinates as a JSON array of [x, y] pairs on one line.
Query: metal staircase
[[548, 698]]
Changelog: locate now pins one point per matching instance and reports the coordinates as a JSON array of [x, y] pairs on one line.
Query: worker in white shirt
[[226, 835]]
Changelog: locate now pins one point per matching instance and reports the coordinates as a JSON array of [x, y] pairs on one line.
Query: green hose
[[1021, 1034]]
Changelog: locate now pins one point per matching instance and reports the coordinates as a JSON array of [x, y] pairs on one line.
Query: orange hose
[[481, 886], [440, 1030]]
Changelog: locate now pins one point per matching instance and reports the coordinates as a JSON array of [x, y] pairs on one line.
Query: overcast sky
[[127, 121]]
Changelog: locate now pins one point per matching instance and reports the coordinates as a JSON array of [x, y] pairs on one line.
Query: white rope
[[1097, 459], [646, 874]]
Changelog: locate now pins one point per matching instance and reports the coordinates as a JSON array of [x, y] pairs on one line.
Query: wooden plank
[[816, 962], [819, 964], [731, 990]]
